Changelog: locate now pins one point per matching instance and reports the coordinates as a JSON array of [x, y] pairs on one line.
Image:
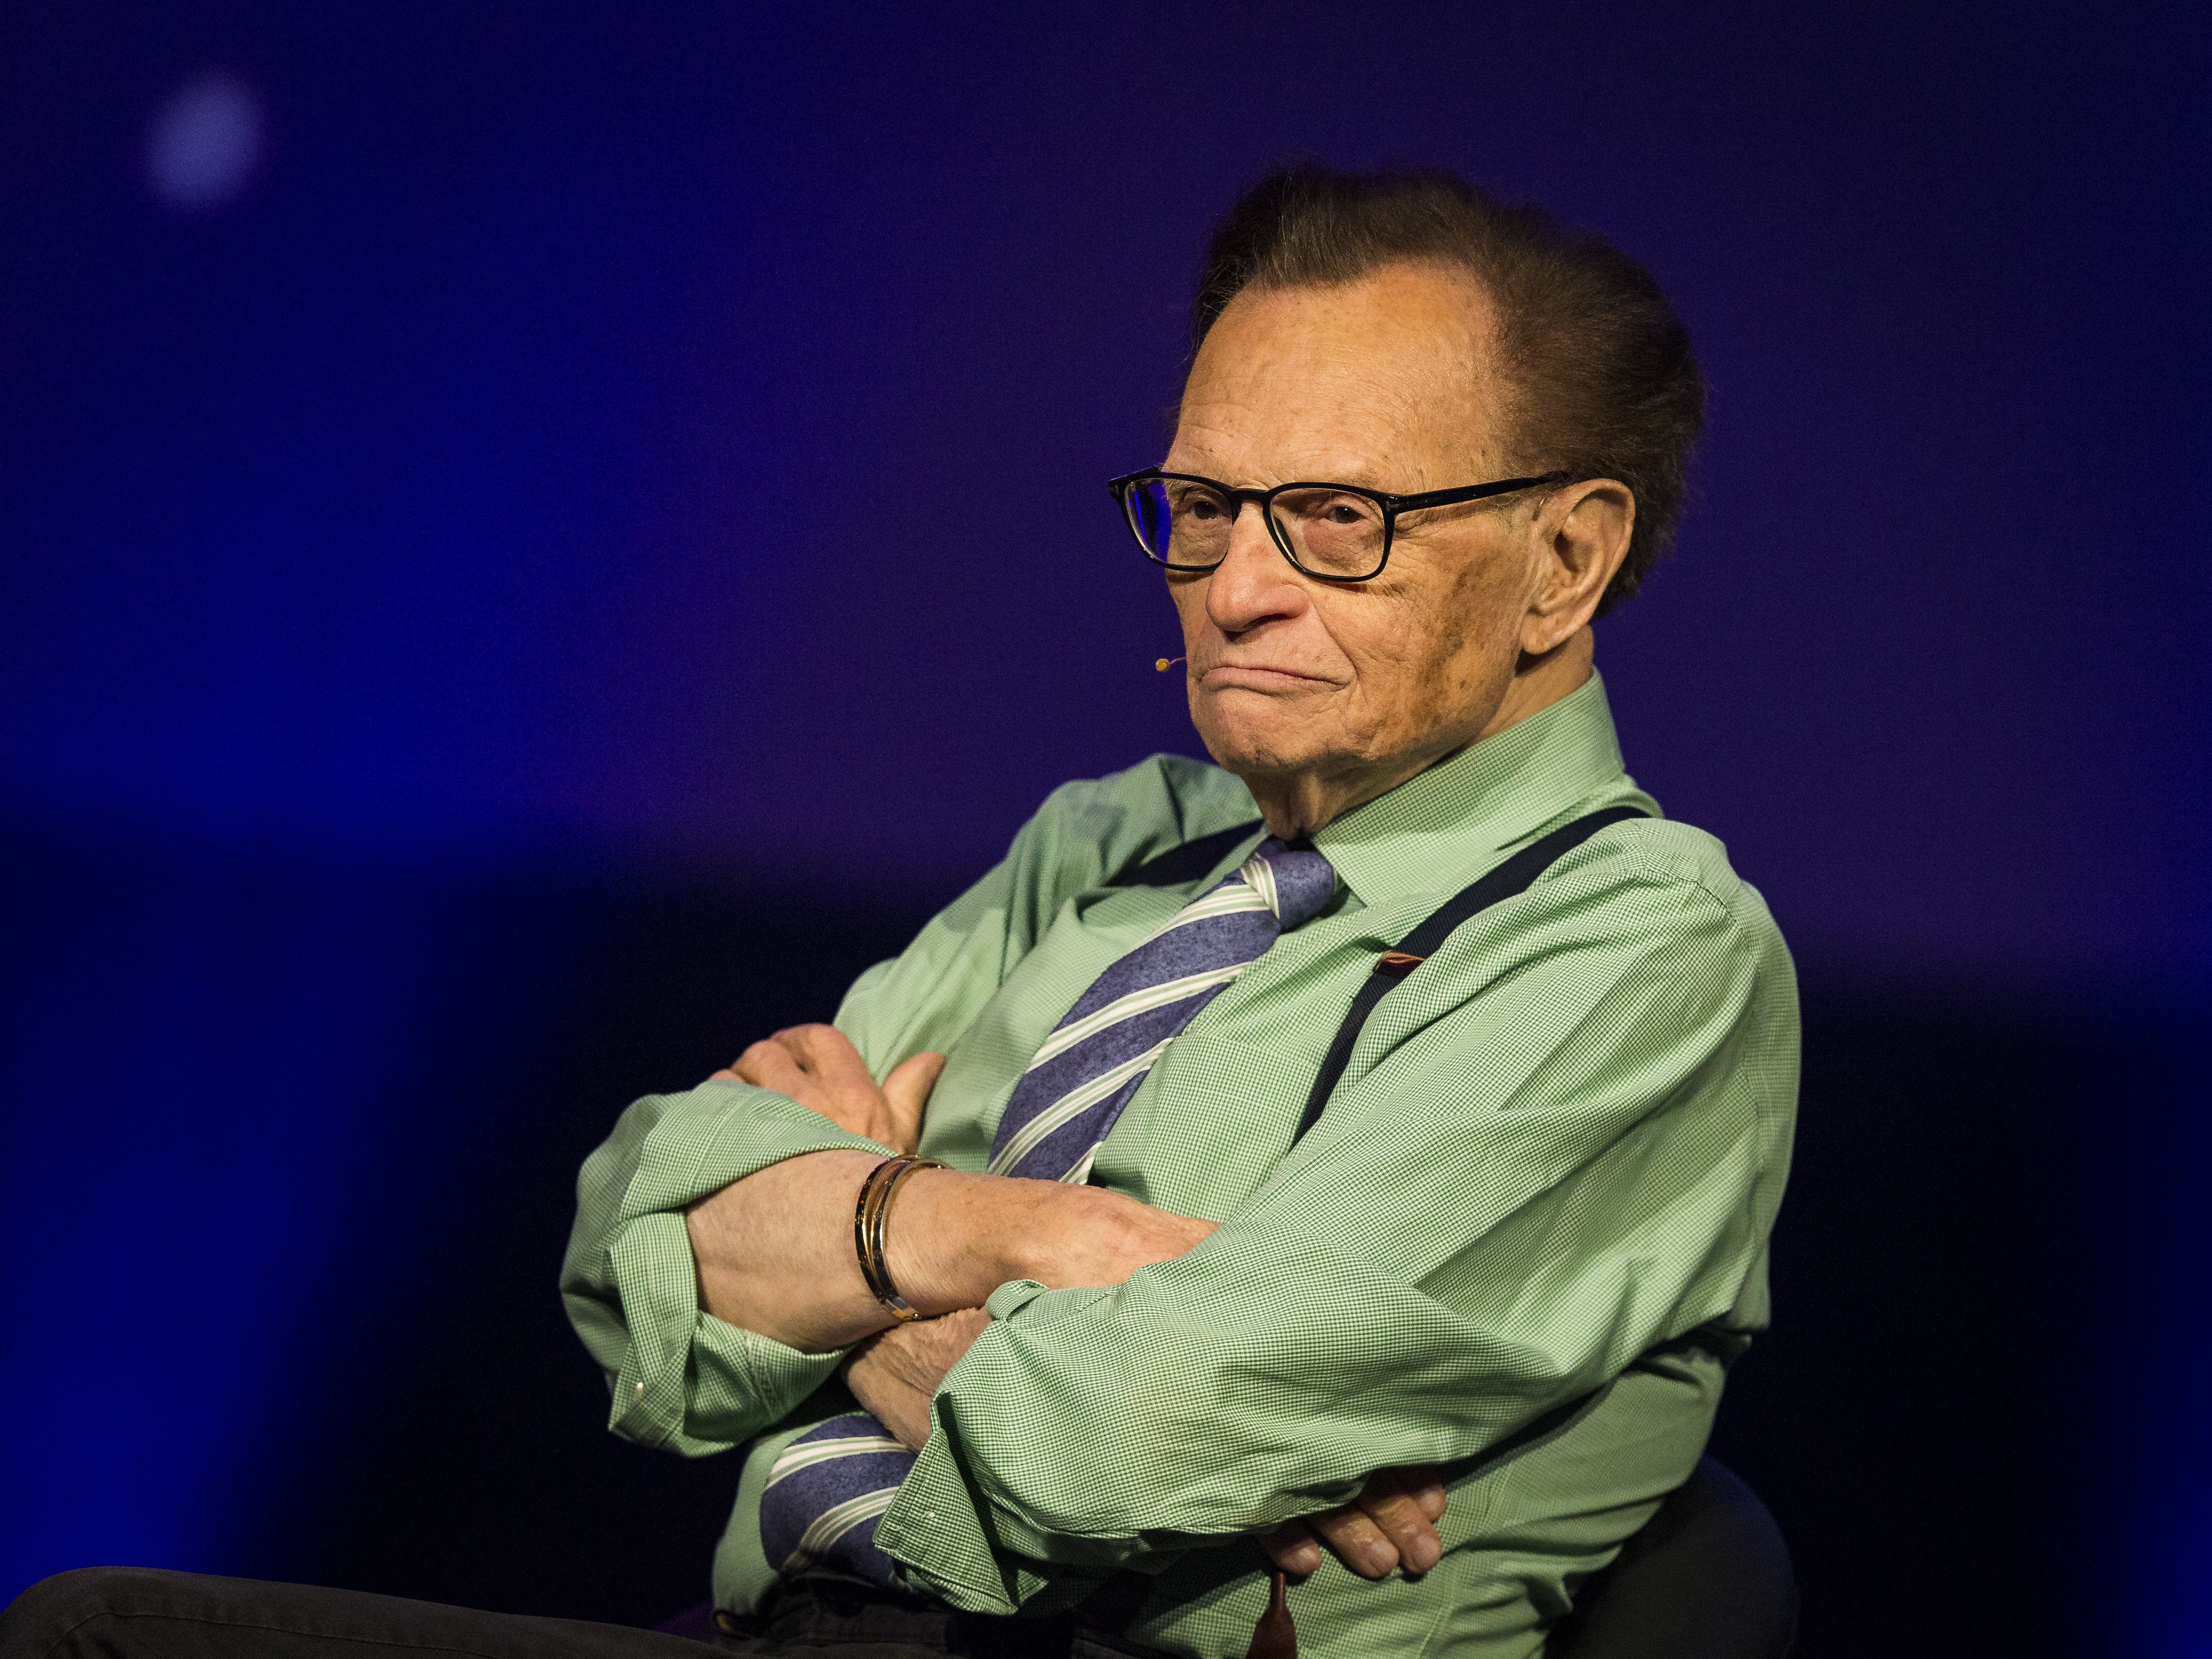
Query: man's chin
[[1251, 751]]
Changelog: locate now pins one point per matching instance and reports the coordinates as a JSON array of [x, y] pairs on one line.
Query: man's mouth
[[1258, 676]]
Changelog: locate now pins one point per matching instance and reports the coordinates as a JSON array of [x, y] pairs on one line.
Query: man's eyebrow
[[1357, 474], [1359, 477]]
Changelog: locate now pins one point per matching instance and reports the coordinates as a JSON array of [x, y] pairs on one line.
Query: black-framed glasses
[[1333, 532]]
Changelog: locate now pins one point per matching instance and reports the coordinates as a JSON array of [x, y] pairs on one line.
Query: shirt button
[[640, 1391]]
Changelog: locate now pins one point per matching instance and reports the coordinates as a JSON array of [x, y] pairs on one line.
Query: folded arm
[[713, 1275], [776, 1250], [777, 1257], [683, 1378]]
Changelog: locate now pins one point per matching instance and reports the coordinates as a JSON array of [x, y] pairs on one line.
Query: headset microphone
[[1161, 666]]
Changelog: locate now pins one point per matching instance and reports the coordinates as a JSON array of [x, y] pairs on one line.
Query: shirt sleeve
[[1565, 1147], [682, 1379]]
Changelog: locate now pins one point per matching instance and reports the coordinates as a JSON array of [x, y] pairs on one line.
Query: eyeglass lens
[[1330, 532]]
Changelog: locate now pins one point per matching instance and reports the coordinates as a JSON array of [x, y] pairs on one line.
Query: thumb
[[907, 1086]]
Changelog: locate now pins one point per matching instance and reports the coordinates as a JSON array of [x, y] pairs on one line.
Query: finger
[[769, 1064], [1292, 1547], [1426, 1487], [1398, 1514], [825, 1052], [1357, 1541], [909, 1085], [1423, 1482]]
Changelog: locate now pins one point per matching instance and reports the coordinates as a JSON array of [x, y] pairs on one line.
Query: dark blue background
[[607, 531]]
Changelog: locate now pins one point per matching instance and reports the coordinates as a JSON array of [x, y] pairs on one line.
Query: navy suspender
[[1516, 876]]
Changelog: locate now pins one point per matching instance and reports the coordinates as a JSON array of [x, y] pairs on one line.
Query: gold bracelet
[[870, 1217], [871, 1220], [863, 1220]]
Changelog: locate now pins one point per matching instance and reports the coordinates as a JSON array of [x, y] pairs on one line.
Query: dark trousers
[[131, 1613]]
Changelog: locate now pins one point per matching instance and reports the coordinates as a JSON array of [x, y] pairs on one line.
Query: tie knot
[[1295, 879]]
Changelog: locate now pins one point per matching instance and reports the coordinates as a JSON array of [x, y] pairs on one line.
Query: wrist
[[1042, 1220], [955, 1237], [1013, 1212]]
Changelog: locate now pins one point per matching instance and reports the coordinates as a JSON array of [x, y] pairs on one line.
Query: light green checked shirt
[[1522, 1243]]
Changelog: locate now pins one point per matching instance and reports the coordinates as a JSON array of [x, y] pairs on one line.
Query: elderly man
[[1143, 1312], [1355, 1157]]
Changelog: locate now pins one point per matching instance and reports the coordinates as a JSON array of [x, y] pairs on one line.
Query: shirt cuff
[[943, 1528], [1010, 1298], [687, 1381]]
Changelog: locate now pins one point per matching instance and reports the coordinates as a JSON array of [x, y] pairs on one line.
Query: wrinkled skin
[[1322, 695]]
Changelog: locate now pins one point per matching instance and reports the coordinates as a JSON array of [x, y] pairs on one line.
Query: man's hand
[[1060, 1236], [1391, 1523], [818, 1067], [896, 1374]]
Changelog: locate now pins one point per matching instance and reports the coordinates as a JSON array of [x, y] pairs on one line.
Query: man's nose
[[1254, 581]]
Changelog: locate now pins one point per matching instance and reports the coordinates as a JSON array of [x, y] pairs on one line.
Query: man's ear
[[1582, 534]]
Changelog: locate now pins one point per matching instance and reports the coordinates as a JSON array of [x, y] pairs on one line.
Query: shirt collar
[[1437, 828]]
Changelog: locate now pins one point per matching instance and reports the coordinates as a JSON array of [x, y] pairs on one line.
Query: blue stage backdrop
[[473, 477]]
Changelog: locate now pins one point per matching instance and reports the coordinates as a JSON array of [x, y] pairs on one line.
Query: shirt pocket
[[1212, 1121]]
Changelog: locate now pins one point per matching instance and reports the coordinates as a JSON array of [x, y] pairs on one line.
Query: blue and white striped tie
[[831, 1486]]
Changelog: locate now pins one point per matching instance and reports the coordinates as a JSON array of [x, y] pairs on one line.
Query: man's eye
[[1345, 513], [1199, 507]]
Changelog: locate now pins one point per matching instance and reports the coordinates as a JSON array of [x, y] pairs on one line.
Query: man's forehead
[[1378, 377], [1256, 445]]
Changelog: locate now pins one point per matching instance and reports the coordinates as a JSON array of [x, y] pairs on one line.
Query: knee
[[43, 1616]]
